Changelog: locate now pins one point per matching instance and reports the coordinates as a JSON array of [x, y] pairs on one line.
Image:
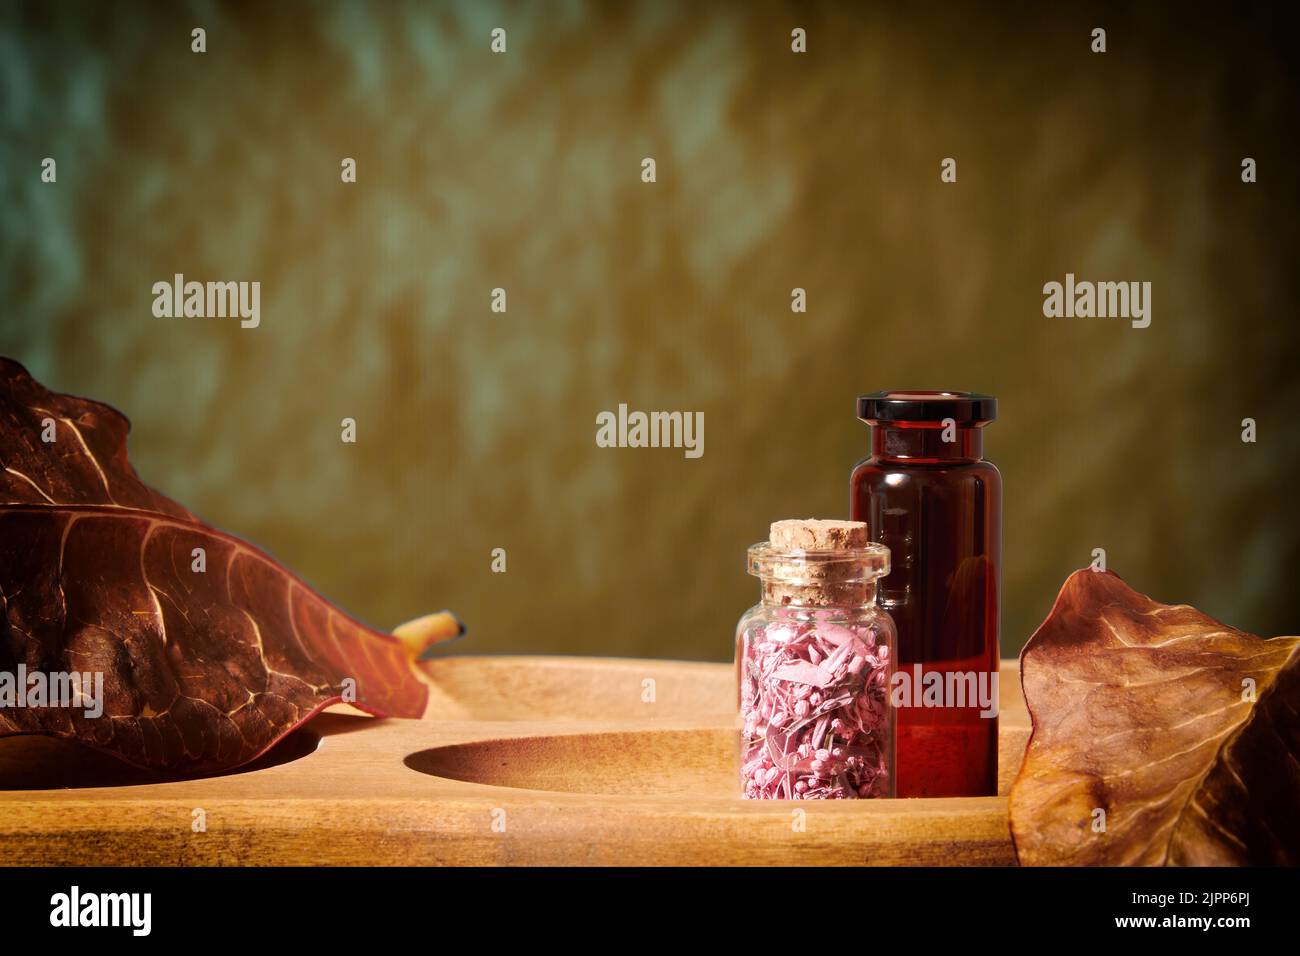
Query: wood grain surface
[[523, 760]]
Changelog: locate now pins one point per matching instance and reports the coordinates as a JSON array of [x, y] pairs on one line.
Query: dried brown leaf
[[202, 670], [1182, 730]]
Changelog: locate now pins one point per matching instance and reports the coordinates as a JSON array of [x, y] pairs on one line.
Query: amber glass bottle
[[928, 495]]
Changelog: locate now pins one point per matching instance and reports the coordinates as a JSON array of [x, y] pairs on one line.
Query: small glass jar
[[814, 662]]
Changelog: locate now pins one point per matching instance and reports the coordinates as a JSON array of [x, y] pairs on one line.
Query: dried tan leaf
[[1183, 731]]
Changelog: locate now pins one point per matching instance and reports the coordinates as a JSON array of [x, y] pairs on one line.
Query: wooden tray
[[529, 760]]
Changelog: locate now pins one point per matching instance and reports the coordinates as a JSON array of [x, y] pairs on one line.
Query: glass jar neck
[[803, 600], [791, 577], [928, 442]]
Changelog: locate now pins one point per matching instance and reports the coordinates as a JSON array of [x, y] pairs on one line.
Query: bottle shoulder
[[872, 470]]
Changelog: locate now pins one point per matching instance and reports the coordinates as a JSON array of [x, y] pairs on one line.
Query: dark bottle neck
[[916, 443]]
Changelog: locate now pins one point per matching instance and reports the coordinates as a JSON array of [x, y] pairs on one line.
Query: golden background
[[775, 170]]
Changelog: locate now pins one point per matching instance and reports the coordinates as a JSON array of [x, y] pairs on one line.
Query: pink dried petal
[[836, 634], [836, 660], [803, 672]]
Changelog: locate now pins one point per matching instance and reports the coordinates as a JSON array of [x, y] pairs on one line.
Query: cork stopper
[[817, 534], [814, 562]]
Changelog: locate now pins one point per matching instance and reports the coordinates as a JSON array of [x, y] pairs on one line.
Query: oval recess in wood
[[700, 763]]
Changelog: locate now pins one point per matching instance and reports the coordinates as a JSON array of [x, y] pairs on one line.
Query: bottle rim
[[927, 405]]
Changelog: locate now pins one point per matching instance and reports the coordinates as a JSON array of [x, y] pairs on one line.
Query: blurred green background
[[775, 170]]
